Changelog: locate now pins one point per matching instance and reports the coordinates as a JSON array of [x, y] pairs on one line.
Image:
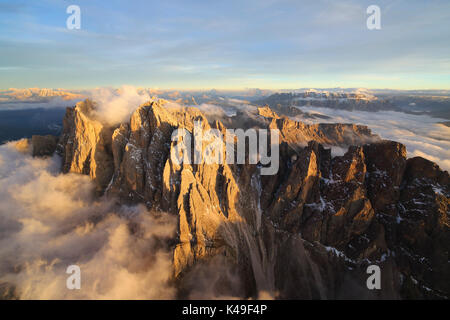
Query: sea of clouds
[[49, 221], [422, 135]]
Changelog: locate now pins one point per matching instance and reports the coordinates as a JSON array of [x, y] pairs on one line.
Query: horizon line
[[186, 89]]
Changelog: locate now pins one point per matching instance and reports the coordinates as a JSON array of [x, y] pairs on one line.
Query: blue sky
[[229, 44]]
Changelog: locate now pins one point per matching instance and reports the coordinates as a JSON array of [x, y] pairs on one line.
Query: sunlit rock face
[[86, 145], [309, 231]]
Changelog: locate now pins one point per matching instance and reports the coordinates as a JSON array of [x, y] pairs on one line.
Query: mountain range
[[308, 232]]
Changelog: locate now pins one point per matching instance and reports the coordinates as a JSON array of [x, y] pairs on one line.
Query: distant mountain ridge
[[431, 103], [38, 94]]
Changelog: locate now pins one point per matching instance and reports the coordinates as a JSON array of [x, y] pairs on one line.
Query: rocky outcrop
[[43, 145], [316, 224], [267, 113], [86, 145], [297, 133]]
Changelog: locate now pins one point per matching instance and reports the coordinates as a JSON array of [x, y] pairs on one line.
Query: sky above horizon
[[270, 44]]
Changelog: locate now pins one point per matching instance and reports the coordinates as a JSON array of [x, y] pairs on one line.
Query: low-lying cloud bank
[[423, 136], [49, 221]]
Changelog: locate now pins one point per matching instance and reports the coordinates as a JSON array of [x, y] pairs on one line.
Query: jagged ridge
[[307, 232]]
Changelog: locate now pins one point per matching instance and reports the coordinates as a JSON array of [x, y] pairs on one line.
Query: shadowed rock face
[[43, 145], [310, 231]]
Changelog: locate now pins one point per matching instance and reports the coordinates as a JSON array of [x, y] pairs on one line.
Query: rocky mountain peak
[[316, 224]]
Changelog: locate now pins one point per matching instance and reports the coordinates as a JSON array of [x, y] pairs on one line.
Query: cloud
[[421, 134], [325, 38], [116, 106], [212, 110], [225, 107], [49, 221]]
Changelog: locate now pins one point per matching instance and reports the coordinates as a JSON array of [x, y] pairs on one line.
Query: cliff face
[[86, 145], [310, 231]]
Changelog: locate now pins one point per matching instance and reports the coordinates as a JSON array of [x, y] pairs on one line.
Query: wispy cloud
[[255, 43]]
